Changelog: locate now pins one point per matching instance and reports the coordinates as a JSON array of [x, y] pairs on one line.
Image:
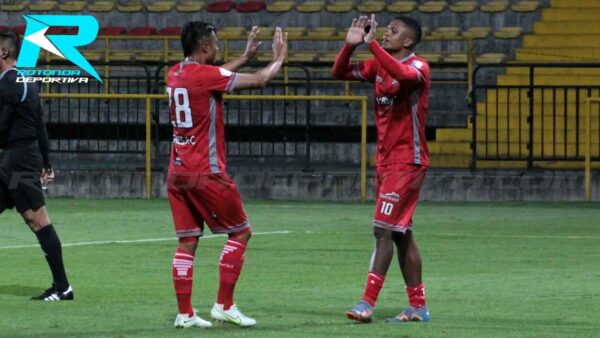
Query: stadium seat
[[20, 30], [463, 6], [326, 56], [175, 56], [402, 7], [477, 32], [130, 6], [72, 6], [446, 33], [295, 32], [161, 6], [190, 7], [322, 32], [142, 31], [43, 6], [455, 58], [112, 31], [371, 7], [148, 56], [340, 6], [488, 58], [494, 6], [101, 6], [16, 7], [525, 6], [220, 6], [430, 57], [93, 55], [509, 33], [265, 32], [433, 6], [231, 32], [176, 30], [362, 56], [251, 6], [281, 6], [121, 55], [302, 57], [311, 6]]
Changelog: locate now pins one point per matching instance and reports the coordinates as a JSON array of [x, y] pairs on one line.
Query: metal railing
[[529, 122], [588, 145]]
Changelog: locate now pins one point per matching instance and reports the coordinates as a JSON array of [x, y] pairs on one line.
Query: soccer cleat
[[361, 312], [184, 321], [53, 294], [233, 315], [411, 314]]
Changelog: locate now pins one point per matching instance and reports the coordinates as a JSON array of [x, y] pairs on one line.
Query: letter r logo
[[61, 45]]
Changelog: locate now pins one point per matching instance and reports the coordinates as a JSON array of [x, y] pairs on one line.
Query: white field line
[[511, 236], [145, 240]]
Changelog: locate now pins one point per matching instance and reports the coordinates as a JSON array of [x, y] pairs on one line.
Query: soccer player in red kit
[[199, 189], [401, 100]]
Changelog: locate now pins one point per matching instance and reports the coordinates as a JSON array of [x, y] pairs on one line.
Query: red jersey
[[401, 104], [196, 106]]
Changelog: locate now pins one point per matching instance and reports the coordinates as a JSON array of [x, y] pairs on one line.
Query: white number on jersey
[[386, 208], [182, 107]]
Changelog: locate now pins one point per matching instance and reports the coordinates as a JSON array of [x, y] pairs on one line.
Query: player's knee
[[382, 234], [243, 235], [188, 243]]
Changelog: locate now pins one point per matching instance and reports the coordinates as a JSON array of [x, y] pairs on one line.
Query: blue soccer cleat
[[361, 312], [411, 314]]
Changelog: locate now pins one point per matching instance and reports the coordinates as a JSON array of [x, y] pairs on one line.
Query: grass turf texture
[[491, 270]]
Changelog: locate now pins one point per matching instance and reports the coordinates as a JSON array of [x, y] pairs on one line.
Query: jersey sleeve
[[422, 69], [219, 79], [365, 70]]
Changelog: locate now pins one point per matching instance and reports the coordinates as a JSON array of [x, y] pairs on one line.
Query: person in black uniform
[[23, 158]]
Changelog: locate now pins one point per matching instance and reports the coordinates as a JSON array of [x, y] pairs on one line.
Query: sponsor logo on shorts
[[385, 100], [390, 196]]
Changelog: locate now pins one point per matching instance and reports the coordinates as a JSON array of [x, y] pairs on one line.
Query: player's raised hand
[[356, 33], [372, 34], [253, 43], [279, 44]]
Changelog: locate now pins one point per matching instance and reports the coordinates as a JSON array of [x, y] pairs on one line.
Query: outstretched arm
[[265, 75], [250, 52], [399, 71], [342, 69]]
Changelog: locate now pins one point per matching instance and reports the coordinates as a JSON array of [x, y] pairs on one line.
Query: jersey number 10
[[182, 107]]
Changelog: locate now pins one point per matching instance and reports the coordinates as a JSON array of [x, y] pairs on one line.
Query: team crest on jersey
[[178, 161], [390, 196]]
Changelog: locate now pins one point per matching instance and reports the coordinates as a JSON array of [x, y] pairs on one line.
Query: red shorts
[[205, 198], [397, 188]]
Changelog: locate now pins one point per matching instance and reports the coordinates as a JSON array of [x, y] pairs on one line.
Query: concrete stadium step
[[484, 122], [573, 165], [575, 4], [548, 110], [570, 14], [551, 80], [516, 135], [453, 135], [502, 97], [567, 27], [546, 149], [449, 148], [554, 70], [450, 161], [561, 41]]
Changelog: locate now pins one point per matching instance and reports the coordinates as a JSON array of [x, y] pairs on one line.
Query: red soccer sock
[[374, 285], [183, 279], [416, 295], [230, 265]]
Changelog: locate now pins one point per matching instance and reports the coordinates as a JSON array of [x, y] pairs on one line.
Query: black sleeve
[[9, 99], [43, 136]]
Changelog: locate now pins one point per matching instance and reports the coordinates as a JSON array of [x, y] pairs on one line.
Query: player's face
[[212, 48], [397, 36]]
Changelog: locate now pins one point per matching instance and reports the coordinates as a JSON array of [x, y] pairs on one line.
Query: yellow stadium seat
[[361, 56], [121, 55], [302, 57], [280, 6], [494, 6], [327, 56], [311, 6], [525, 6], [477, 32], [431, 57], [463, 6], [190, 6], [455, 58], [295, 32], [147, 56], [101, 6], [131, 6], [509, 33], [322, 32], [175, 56], [371, 7], [16, 7], [446, 33], [72, 6], [232, 32], [433, 6], [490, 58], [93, 55], [402, 7], [266, 32], [161, 6], [43, 6], [380, 32], [340, 6], [265, 56]]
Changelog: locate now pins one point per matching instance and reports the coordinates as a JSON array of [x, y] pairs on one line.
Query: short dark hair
[[413, 24], [192, 33], [10, 41]]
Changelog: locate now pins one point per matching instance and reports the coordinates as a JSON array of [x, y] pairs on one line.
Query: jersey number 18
[[182, 107]]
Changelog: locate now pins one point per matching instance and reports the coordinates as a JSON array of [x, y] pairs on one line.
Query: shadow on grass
[[20, 290]]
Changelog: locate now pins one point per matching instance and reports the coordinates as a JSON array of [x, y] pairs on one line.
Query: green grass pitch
[[491, 270]]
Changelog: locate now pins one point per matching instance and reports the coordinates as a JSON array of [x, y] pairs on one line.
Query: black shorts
[[20, 170]]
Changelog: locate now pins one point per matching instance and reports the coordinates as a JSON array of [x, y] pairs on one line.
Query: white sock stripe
[[375, 276], [182, 261], [179, 254], [237, 244]]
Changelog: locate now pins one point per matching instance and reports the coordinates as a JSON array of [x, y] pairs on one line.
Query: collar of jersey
[[6, 71], [407, 57]]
